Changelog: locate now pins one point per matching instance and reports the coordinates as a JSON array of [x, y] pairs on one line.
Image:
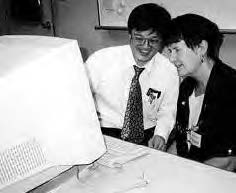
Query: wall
[[77, 19], [228, 50]]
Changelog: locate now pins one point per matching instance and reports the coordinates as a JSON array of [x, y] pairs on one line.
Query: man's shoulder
[[110, 51], [162, 62], [108, 57]]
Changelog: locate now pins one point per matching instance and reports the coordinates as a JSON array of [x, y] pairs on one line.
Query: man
[[116, 73]]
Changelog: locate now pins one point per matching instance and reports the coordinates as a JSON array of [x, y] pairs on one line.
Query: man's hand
[[157, 142], [226, 163]]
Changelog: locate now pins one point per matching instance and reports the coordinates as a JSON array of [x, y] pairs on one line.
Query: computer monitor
[[47, 113]]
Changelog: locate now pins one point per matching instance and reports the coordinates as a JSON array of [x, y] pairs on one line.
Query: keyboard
[[121, 152]]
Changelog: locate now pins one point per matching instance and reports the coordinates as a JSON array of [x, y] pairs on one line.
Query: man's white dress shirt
[[110, 71]]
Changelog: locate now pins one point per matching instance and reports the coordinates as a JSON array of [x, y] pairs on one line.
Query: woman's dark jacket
[[217, 120]]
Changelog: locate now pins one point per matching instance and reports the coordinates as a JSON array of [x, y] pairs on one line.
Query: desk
[[165, 173]]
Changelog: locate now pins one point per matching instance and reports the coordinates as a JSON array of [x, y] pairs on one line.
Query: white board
[[116, 12]]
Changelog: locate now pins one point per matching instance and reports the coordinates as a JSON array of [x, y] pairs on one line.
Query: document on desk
[[100, 179], [121, 152], [107, 174]]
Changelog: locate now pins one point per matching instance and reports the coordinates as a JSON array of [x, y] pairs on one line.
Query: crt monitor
[[47, 113]]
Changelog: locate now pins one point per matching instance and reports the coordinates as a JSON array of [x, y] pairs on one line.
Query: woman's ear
[[202, 48]]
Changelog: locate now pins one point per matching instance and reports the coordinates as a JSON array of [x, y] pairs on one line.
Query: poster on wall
[[115, 13]]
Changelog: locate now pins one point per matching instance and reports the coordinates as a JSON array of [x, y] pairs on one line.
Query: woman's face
[[186, 60]]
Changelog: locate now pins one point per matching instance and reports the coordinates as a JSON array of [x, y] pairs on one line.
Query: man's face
[[144, 45]]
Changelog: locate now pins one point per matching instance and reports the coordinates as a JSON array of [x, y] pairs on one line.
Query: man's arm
[[93, 72], [166, 114]]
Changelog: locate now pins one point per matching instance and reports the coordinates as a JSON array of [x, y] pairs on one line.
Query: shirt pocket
[[152, 101]]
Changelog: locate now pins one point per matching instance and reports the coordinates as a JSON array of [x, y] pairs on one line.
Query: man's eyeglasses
[[150, 41]]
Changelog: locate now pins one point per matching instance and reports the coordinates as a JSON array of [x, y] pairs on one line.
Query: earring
[[202, 59]]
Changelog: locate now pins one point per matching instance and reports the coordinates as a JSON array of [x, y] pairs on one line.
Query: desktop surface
[[154, 172]]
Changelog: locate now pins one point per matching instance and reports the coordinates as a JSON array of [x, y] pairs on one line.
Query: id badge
[[153, 95], [195, 139]]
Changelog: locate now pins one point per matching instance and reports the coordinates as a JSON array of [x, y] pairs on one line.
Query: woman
[[205, 127]]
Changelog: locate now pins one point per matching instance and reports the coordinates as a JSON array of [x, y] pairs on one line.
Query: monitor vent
[[20, 160]]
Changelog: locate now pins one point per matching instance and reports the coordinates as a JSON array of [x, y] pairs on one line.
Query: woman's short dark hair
[[149, 16], [193, 28]]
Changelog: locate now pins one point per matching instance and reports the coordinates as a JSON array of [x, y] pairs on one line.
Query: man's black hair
[[149, 16]]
